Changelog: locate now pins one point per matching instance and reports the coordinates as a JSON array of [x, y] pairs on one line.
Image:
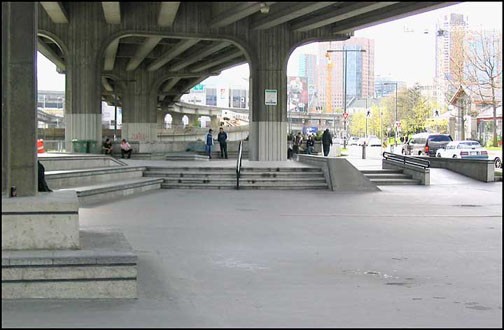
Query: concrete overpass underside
[[145, 55]]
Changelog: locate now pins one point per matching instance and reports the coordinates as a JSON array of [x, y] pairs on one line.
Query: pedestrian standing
[[209, 143], [310, 145], [326, 142], [222, 138], [298, 140]]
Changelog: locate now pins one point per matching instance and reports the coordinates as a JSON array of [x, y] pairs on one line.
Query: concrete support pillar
[[177, 119], [268, 125], [83, 82], [139, 121], [19, 97], [214, 122]]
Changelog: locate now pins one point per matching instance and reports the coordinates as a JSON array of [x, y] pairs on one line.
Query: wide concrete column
[[176, 119], [139, 121], [19, 97], [214, 122], [83, 82], [268, 125]]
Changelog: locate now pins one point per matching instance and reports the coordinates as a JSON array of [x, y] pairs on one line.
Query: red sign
[[345, 115]]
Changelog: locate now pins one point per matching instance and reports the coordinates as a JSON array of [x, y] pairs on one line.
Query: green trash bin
[[79, 146], [91, 147]]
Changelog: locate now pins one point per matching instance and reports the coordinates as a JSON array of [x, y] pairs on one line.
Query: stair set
[[250, 178], [96, 180], [388, 177]]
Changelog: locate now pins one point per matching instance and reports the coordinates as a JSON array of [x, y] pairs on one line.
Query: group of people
[[221, 138], [126, 148], [310, 143]]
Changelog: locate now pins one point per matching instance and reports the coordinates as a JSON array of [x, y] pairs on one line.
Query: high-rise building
[[359, 72], [450, 35], [308, 69]]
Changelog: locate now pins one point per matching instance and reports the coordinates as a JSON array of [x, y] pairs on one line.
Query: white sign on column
[[270, 97]]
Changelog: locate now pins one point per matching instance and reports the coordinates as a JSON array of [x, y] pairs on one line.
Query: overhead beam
[[51, 55], [217, 61], [237, 13], [291, 11], [110, 55], [171, 84], [142, 52], [199, 56], [348, 11], [384, 15], [106, 84], [167, 13], [227, 65], [112, 12], [178, 49], [56, 12]]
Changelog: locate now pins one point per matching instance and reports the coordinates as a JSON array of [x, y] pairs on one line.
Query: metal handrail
[[406, 160], [239, 164]]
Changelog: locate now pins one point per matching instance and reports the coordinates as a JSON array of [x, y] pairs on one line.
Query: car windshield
[[439, 138]]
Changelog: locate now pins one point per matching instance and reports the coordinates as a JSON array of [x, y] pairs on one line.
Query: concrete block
[[70, 290], [44, 221]]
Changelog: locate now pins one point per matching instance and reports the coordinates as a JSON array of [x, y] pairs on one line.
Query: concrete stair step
[[387, 176], [390, 182], [112, 190], [215, 186], [277, 186], [380, 171], [79, 178]]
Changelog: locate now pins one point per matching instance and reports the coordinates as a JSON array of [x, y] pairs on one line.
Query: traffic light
[[368, 113], [436, 113]]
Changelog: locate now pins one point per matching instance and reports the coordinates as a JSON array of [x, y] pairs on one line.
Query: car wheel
[[438, 155], [498, 162], [454, 156]]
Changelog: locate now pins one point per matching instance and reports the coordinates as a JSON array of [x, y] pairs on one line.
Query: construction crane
[[328, 106]]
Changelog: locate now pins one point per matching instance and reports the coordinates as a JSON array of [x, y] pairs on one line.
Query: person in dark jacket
[[326, 142], [310, 145], [42, 184], [209, 143], [222, 138]]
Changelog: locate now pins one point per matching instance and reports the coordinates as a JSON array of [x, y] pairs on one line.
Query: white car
[[353, 141], [466, 149], [497, 158], [373, 141]]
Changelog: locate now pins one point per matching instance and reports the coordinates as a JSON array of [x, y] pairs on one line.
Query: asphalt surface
[[406, 256]]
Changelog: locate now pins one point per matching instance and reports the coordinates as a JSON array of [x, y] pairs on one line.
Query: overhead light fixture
[[264, 8]]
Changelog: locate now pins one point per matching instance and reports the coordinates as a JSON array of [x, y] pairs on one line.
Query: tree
[[484, 70]]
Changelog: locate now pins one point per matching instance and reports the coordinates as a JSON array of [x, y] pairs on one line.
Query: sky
[[403, 51]]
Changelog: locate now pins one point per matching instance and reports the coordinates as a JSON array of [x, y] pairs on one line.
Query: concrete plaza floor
[[406, 256]]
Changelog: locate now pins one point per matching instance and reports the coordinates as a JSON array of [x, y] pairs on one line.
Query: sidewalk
[[406, 256]]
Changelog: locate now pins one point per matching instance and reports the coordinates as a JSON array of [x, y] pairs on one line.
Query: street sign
[[198, 87], [345, 115], [270, 97]]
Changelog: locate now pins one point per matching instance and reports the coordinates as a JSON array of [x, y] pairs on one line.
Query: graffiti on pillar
[[138, 137]]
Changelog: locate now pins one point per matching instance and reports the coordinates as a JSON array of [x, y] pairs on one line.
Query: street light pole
[[345, 51], [396, 123]]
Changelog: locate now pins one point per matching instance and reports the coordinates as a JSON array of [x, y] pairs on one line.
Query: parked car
[[361, 141], [496, 156], [353, 141], [466, 149], [425, 144], [373, 141]]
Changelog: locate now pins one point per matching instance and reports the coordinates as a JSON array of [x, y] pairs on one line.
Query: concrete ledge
[[49, 220], [74, 162], [104, 267], [75, 178], [478, 169], [417, 173], [340, 174]]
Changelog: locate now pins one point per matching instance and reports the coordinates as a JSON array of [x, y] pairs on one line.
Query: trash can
[[79, 146], [91, 147]]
